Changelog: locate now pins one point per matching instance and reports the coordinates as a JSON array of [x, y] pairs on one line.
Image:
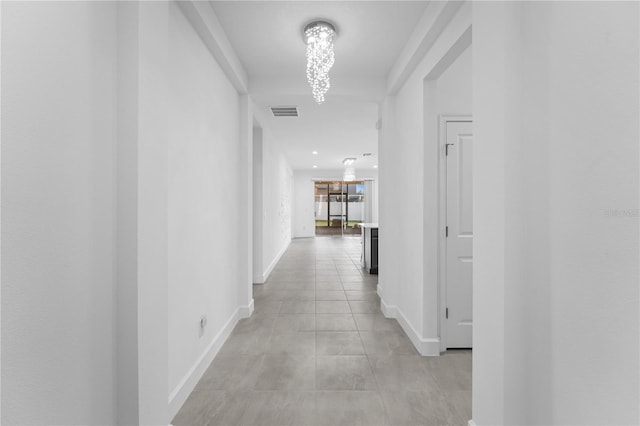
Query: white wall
[[304, 225], [58, 140], [409, 153], [203, 184], [277, 189], [556, 213], [151, 141], [304, 203], [258, 270], [118, 145], [448, 94], [127, 221], [244, 203], [453, 87]]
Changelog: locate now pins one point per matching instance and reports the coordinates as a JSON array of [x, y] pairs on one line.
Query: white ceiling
[[267, 38], [337, 129]]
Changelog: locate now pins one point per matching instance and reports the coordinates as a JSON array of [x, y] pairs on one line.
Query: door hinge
[[446, 231], [446, 148], [446, 313]]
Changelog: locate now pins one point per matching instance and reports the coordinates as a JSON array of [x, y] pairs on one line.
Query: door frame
[[442, 221]]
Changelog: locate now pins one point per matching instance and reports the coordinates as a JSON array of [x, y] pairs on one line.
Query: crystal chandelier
[[349, 174], [318, 36]]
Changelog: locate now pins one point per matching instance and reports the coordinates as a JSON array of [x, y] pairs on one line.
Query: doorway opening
[[339, 207]]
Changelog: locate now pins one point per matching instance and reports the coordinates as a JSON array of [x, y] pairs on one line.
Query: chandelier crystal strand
[[320, 58]]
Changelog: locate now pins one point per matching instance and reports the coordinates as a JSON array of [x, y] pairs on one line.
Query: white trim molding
[[471, 423], [426, 346], [380, 290], [389, 311]]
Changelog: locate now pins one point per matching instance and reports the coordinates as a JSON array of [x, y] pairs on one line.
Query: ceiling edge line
[[205, 22]]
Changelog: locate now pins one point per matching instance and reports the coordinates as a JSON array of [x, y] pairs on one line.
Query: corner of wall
[[389, 311], [425, 346], [246, 311]]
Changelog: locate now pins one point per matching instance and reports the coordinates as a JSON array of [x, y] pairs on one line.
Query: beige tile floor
[[318, 351]]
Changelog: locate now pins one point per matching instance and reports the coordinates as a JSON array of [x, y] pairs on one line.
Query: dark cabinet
[[374, 251]]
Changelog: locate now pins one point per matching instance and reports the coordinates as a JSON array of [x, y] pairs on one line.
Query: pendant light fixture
[[318, 36]]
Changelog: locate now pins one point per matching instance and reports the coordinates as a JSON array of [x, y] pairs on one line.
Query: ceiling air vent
[[285, 111]]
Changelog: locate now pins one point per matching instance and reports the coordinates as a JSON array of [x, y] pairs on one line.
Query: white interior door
[[459, 235]]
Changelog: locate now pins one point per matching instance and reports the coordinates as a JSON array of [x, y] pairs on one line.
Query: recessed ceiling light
[[315, 167], [314, 152], [375, 166]]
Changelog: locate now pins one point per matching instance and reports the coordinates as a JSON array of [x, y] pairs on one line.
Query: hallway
[[161, 157], [317, 350]]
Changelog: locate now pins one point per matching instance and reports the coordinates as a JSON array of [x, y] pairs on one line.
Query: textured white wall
[[58, 139], [556, 110], [203, 183]]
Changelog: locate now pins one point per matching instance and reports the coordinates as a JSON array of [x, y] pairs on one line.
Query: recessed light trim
[[314, 152]]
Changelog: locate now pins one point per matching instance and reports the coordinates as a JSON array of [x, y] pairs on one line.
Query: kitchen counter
[[369, 247], [368, 225]]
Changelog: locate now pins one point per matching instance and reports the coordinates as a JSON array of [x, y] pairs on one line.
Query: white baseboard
[[311, 235], [246, 311], [471, 423], [273, 263], [180, 394], [379, 290], [425, 346], [389, 311]]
